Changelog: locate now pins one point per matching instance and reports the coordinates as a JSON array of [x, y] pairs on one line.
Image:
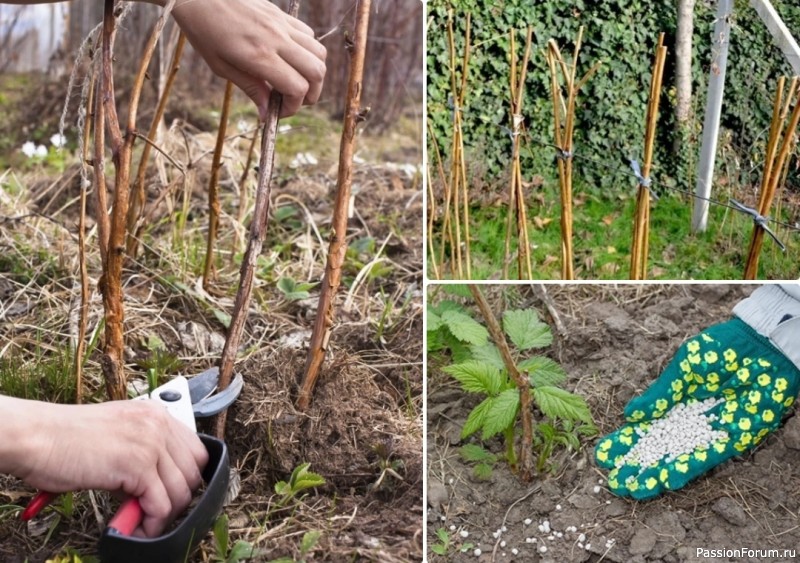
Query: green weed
[[389, 468], [226, 553], [603, 232], [293, 290], [301, 479], [483, 460], [445, 544], [43, 377], [307, 545], [159, 363], [72, 556]]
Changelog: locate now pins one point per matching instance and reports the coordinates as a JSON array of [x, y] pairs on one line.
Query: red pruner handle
[[127, 518], [35, 506]]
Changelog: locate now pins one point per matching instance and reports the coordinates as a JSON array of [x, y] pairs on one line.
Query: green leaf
[[489, 354], [476, 377], [439, 549], [448, 305], [458, 349], [305, 286], [559, 403], [476, 418], [221, 535], [525, 329], [286, 285], [443, 536], [482, 471], [543, 371], [223, 317], [502, 413], [241, 551], [548, 431], [457, 289], [309, 540], [473, 452], [283, 488], [303, 479], [434, 321], [465, 328], [155, 343], [293, 291], [284, 212]]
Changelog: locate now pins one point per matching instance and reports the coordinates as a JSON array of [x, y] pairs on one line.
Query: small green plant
[[294, 291], [389, 468], [307, 545], [300, 480], [480, 369], [159, 363], [224, 552], [445, 544], [42, 378], [484, 461], [72, 556]]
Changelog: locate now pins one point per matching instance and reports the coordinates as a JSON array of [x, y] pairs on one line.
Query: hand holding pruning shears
[[146, 449]]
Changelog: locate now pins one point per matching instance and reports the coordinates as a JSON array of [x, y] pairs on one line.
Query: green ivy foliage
[[612, 106]]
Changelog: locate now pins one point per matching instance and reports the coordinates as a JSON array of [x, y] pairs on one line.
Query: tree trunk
[[683, 68]]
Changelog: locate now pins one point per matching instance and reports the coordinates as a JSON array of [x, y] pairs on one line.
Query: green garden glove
[[748, 385]]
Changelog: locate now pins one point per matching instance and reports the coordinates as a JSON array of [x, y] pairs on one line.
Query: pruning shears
[[185, 399]]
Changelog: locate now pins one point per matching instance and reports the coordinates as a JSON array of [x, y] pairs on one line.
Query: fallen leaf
[[610, 268], [14, 496], [549, 261], [611, 250], [536, 181], [608, 220], [542, 223]]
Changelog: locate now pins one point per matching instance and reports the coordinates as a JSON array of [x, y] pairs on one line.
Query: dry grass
[[371, 389]]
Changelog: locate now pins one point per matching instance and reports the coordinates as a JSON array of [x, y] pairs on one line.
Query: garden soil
[[616, 340]]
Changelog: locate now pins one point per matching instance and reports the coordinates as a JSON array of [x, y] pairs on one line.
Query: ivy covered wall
[[612, 106]]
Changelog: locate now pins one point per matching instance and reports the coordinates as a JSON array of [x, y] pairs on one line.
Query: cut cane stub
[[684, 429]]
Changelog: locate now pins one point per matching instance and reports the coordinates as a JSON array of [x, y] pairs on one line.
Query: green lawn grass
[[603, 226]]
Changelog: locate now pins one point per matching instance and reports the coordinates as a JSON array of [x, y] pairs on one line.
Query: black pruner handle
[[175, 546]]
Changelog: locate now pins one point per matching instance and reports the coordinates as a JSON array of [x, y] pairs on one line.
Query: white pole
[[780, 33], [716, 91]]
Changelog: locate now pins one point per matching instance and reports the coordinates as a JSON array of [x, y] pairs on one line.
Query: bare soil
[[617, 340]]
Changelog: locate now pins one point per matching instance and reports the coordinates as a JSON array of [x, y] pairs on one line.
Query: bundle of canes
[[774, 167]]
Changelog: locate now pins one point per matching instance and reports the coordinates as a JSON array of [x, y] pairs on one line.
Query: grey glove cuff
[[786, 337], [774, 311]]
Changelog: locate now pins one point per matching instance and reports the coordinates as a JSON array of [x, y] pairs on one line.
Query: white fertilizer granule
[[684, 428]]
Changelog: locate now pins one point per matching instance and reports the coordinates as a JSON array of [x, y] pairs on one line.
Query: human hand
[[747, 385], [258, 47], [134, 447]]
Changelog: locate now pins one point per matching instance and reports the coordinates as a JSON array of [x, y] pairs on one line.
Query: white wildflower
[[29, 149], [303, 159], [58, 141]]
